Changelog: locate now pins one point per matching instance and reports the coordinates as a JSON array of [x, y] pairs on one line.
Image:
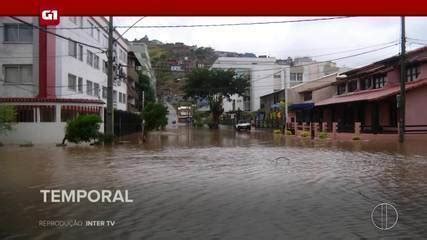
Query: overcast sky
[[288, 39]]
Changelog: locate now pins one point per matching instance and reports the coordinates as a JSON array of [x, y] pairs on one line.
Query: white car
[[243, 125]]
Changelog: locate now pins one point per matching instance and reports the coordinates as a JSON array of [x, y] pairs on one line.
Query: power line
[[214, 25], [330, 60], [129, 28], [238, 24], [56, 34], [417, 39], [352, 50]]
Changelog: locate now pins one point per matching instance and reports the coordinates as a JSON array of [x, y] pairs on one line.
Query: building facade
[[50, 79], [369, 95], [264, 76], [301, 99], [138, 63]]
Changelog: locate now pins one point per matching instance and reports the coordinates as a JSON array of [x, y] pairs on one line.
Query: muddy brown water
[[201, 184]]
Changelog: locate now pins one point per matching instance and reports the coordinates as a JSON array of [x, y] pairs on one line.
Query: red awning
[[370, 95], [50, 100]]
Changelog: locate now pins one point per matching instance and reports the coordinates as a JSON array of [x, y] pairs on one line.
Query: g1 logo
[[49, 17]]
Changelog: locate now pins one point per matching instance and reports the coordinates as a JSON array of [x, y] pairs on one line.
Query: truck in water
[[184, 114]]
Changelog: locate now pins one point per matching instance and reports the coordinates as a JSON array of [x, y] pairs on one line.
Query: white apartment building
[[50, 79], [265, 77], [305, 69]]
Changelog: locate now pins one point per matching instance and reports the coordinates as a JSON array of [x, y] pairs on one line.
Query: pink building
[[369, 95]]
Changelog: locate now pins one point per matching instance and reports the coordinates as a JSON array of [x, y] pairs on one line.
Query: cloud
[[283, 40]]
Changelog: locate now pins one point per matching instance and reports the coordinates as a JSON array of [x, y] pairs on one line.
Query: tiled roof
[[371, 95]]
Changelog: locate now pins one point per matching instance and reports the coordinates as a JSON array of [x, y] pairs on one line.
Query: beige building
[[301, 97]]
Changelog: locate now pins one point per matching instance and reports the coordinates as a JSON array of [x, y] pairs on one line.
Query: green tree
[[144, 84], [215, 85], [7, 118], [84, 128], [155, 117]]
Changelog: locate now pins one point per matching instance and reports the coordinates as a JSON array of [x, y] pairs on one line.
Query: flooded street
[[202, 184]]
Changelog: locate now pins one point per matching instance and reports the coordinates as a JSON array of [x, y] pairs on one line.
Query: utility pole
[[109, 120], [402, 96], [285, 85], [142, 114]]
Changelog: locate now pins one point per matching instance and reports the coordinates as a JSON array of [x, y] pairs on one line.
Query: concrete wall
[[36, 133], [324, 93], [384, 114]]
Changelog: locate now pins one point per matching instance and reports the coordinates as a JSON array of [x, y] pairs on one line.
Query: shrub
[[155, 117], [323, 135], [198, 119], [7, 118], [304, 134], [84, 128], [289, 133]]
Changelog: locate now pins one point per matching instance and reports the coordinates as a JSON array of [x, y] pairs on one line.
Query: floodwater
[[202, 184]]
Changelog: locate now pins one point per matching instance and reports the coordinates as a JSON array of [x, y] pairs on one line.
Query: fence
[[126, 123]]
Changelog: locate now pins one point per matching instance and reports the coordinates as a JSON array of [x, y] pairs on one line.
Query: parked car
[[242, 124]]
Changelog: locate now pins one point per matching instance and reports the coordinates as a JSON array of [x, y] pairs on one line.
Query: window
[[89, 87], [378, 81], [68, 114], [90, 28], [341, 88], [89, 58], [105, 41], [114, 96], [275, 98], [24, 114], [72, 82], [124, 98], [18, 33], [299, 76], [276, 75], [412, 73], [80, 21], [72, 49], [122, 55], [96, 89], [120, 97], [104, 92], [352, 86], [365, 83], [80, 85], [308, 96], [80, 52], [96, 61], [97, 34], [293, 76], [18, 73], [104, 66], [47, 114], [73, 19]]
